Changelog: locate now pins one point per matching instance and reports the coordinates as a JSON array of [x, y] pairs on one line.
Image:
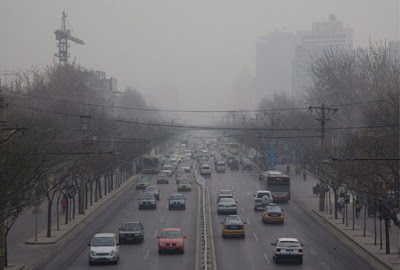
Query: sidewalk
[[33, 252], [302, 194]]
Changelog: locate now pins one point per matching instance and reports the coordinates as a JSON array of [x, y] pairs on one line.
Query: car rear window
[[289, 244]]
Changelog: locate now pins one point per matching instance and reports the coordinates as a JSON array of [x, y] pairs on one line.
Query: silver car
[[287, 249], [104, 248], [227, 206], [153, 190]]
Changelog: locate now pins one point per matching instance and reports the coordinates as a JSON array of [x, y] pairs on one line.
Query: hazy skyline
[[195, 47]]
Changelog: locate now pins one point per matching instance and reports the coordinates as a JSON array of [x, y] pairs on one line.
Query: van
[[205, 170]]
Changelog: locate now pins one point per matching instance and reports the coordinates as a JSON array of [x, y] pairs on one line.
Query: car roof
[[225, 191], [151, 187], [288, 240], [177, 194], [223, 200], [104, 235]]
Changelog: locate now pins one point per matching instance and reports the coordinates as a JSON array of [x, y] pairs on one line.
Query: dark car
[[147, 201], [176, 201], [154, 190], [131, 232]]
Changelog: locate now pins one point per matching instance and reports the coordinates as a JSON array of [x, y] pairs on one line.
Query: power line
[[187, 111], [198, 127]]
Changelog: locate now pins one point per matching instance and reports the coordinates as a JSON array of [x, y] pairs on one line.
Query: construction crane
[[62, 37]]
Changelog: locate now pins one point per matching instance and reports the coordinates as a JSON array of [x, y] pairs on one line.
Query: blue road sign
[[271, 156]]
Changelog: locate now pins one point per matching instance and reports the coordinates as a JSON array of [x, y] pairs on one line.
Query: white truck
[[261, 199]]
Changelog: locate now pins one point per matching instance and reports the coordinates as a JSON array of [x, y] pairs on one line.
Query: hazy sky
[[194, 47]]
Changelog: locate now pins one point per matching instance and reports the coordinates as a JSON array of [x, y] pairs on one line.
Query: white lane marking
[[313, 252], [155, 234], [147, 254], [248, 221], [266, 258], [242, 209], [162, 218], [324, 265], [255, 236]]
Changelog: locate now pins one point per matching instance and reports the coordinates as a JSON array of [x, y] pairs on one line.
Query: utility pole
[[85, 132], [3, 107], [322, 111]]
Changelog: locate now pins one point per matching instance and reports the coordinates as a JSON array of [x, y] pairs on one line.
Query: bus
[[278, 183], [151, 164], [233, 148]]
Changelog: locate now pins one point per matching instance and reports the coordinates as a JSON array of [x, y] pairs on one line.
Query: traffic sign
[[271, 156]]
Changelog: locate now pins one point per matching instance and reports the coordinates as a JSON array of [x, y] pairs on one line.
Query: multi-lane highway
[[322, 250], [137, 256]]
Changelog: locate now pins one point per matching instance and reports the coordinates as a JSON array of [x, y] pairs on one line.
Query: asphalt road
[[137, 256], [322, 250]]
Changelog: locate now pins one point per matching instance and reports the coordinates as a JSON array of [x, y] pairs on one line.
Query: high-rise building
[[274, 55], [324, 35], [394, 49]]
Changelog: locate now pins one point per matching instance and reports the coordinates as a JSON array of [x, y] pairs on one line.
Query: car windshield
[[150, 189], [103, 242], [162, 174], [176, 197], [130, 226], [289, 244], [147, 197], [171, 234]]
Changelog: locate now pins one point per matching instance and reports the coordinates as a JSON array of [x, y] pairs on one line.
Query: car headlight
[[161, 244], [112, 253], [179, 243], [92, 253]]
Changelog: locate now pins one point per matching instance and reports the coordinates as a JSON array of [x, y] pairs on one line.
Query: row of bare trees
[[362, 138], [67, 137]]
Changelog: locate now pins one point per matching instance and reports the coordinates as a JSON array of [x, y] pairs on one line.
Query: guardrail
[[206, 254]]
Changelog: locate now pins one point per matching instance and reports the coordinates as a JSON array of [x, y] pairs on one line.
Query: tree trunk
[[67, 211], [105, 184], [49, 206], [57, 211], [91, 192], [73, 209], [100, 195], [352, 206], [2, 243], [375, 228], [335, 199], [387, 235], [365, 218]]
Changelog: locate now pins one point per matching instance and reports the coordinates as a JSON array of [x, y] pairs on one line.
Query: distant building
[[109, 87], [274, 56], [324, 35], [394, 48]]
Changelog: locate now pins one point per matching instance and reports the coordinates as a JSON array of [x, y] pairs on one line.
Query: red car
[[171, 240]]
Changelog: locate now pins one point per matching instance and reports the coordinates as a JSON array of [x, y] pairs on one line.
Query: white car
[[104, 248], [287, 249]]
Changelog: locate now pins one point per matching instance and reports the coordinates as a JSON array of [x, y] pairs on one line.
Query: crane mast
[[63, 35]]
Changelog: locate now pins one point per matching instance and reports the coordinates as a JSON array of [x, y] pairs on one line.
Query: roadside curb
[[383, 263], [15, 267], [79, 226]]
